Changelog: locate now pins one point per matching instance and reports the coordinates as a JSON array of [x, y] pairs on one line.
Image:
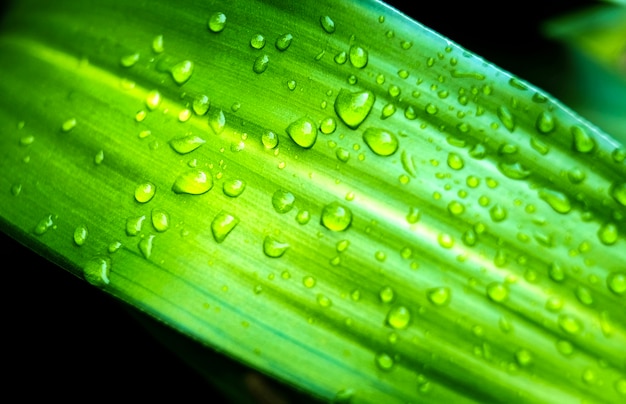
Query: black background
[[64, 339]]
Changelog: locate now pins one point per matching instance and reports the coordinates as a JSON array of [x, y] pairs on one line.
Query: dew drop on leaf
[[217, 22], [506, 117], [134, 224], [45, 224], [303, 132], [160, 220], [327, 23], [96, 271], [80, 235], [358, 56], [569, 324], [384, 362], [381, 141], [336, 217], [194, 182], [261, 63], [186, 144], [273, 247], [546, 122], [583, 143], [497, 213], [257, 41], [616, 282], [269, 139], [557, 200], [201, 104], [222, 225], [145, 246], [439, 296], [68, 125], [618, 191], [234, 187], [353, 107], [145, 192], [283, 201], [217, 120], [157, 44], [608, 233], [181, 72], [399, 317], [283, 42]]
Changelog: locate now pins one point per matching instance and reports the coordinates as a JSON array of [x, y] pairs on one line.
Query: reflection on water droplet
[[381, 141], [186, 144], [234, 187], [96, 271], [80, 235], [455, 161], [608, 233], [399, 317], [160, 220], [269, 140], [222, 225], [439, 296], [336, 217], [497, 213], [194, 182], [546, 122], [506, 117], [145, 192], [328, 125], [353, 107], [303, 132], [217, 22], [257, 41]]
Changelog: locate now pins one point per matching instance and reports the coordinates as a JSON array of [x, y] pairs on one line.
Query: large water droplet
[[303, 132], [381, 141], [616, 281], [439, 296], [283, 201], [186, 144], [353, 107], [222, 225], [358, 56], [181, 72], [336, 217], [96, 271], [399, 317], [194, 182], [557, 200], [283, 42], [145, 192], [455, 161], [582, 141], [217, 22], [80, 235], [160, 220], [274, 248], [261, 63], [608, 233]]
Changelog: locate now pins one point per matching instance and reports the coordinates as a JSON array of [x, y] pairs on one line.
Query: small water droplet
[[96, 271], [217, 120], [283, 201], [341, 58], [556, 272], [328, 125], [269, 139], [309, 282], [234, 187], [134, 224], [616, 282], [283, 42], [497, 292], [46, 223], [583, 143], [194, 182], [399, 317], [353, 107], [145, 246], [358, 56], [431, 109], [342, 154], [506, 117], [557, 200], [498, 213], [303, 132], [129, 60], [186, 144], [303, 216], [201, 104], [570, 324], [381, 141], [618, 191], [80, 235], [181, 72], [222, 225], [336, 217], [445, 240], [323, 300], [455, 161], [160, 220], [217, 22], [608, 233], [68, 125], [546, 122], [257, 41], [384, 362], [523, 357], [157, 44], [439, 296], [261, 63], [145, 192], [327, 23]]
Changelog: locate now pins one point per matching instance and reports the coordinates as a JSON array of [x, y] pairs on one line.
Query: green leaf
[[329, 193]]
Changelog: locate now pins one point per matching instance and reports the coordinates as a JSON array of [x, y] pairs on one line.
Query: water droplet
[[309, 281], [342, 154], [618, 191], [431, 109], [569, 324], [274, 248], [80, 235], [413, 216], [99, 157], [399, 317], [384, 362], [554, 303], [341, 58], [584, 295], [336, 217], [557, 200], [523, 357], [181, 72], [445, 240], [576, 175], [582, 141], [556, 272], [129, 60], [217, 22], [46, 223], [455, 161], [381, 141], [186, 144], [498, 213], [439, 296], [620, 386], [217, 120], [16, 189], [160, 220], [328, 125], [283, 42], [358, 56], [257, 41], [327, 23], [69, 125], [260, 64], [303, 216], [456, 208], [133, 225], [343, 396], [497, 292], [234, 187], [283, 201], [194, 182], [386, 294], [303, 132], [564, 347], [201, 104], [387, 111], [353, 107], [157, 44], [514, 171], [145, 246], [269, 140], [546, 122], [506, 117], [616, 281], [608, 233], [145, 192], [222, 225], [96, 271]]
